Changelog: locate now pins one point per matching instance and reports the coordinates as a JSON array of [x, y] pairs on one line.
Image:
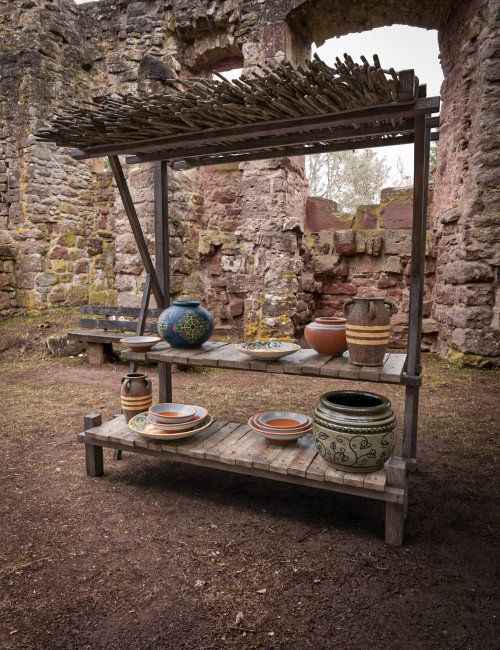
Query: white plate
[[267, 350]]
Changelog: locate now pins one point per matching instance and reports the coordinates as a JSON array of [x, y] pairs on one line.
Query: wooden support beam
[[289, 151], [268, 127], [143, 314], [94, 458], [162, 254], [280, 141], [419, 239], [397, 476], [135, 225]]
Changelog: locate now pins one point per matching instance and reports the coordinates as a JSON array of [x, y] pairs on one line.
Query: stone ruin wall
[[241, 236]]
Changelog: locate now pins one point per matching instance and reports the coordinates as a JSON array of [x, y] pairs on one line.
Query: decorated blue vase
[[185, 324]]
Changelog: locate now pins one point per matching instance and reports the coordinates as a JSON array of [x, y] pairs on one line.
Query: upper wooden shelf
[[303, 362]]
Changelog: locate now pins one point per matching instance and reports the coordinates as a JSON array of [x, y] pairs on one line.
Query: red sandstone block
[[344, 242], [59, 253], [398, 214]]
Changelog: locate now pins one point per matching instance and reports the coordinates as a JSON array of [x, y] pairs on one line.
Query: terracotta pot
[[327, 335], [136, 394], [354, 430], [368, 328]]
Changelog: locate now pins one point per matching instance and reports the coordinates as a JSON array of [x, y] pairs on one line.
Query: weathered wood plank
[[199, 447], [95, 336], [317, 469], [229, 455], [298, 466], [393, 367], [375, 480], [215, 452], [281, 462]]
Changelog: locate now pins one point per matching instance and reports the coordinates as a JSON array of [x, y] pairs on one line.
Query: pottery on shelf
[[199, 414], [269, 350], [354, 431], [185, 324], [172, 413], [140, 343], [368, 328], [140, 424], [327, 335], [136, 394], [280, 427]]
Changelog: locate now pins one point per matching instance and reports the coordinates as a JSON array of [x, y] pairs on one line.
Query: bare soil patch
[[158, 554]]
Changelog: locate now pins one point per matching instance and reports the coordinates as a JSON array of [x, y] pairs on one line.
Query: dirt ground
[[163, 555]]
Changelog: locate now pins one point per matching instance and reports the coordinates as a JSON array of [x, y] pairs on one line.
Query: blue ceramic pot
[[185, 324]]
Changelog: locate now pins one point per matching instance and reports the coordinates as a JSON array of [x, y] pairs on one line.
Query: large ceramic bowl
[[201, 414], [354, 430], [281, 432], [282, 420], [283, 438], [171, 413], [267, 350], [140, 343]]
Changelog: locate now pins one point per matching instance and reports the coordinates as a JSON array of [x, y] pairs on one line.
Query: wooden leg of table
[[410, 423], [165, 382], [117, 454], [94, 460], [99, 353], [397, 476]]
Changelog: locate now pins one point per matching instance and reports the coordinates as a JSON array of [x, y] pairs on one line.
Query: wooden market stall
[[276, 110]]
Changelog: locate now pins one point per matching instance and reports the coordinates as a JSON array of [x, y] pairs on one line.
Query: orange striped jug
[[367, 329]]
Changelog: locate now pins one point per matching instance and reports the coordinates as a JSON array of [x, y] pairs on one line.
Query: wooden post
[[162, 254], [94, 458], [395, 513], [418, 245], [135, 225], [143, 315]]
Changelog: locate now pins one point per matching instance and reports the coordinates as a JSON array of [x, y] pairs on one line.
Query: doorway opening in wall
[[353, 178]]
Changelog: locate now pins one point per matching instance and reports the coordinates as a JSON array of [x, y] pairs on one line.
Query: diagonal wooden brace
[[128, 204]]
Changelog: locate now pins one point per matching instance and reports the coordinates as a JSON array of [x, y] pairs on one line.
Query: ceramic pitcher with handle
[[367, 329], [136, 394]]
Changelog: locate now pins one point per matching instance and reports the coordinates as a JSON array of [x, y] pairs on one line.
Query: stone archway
[[464, 212]]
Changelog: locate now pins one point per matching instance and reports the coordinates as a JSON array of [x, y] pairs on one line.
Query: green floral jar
[[354, 431]]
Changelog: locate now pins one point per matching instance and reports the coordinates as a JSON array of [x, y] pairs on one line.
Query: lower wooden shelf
[[235, 447]]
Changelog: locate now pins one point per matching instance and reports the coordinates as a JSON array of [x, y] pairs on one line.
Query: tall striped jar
[[367, 329]]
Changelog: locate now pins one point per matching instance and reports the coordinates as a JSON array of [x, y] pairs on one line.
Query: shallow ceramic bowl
[[140, 343], [140, 425], [201, 414], [282, 419], [305, 427], [282, 439], [169, 413], [267, 350], [282, 434]]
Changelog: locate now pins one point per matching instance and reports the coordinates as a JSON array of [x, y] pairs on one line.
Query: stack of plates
[[171, 421], [281, 427]]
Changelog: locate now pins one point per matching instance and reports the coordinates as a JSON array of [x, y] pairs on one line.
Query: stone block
[[344, 242], [60, 346], [323, 214], [397, 242], [325, 264], [366, 217], [398, 214], [392, 264], [463, 272]]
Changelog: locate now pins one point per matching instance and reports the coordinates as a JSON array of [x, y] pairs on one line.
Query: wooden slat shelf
[[234, 447], [303, 362]]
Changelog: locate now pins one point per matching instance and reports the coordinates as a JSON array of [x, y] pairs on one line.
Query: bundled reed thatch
[[271, 91]]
